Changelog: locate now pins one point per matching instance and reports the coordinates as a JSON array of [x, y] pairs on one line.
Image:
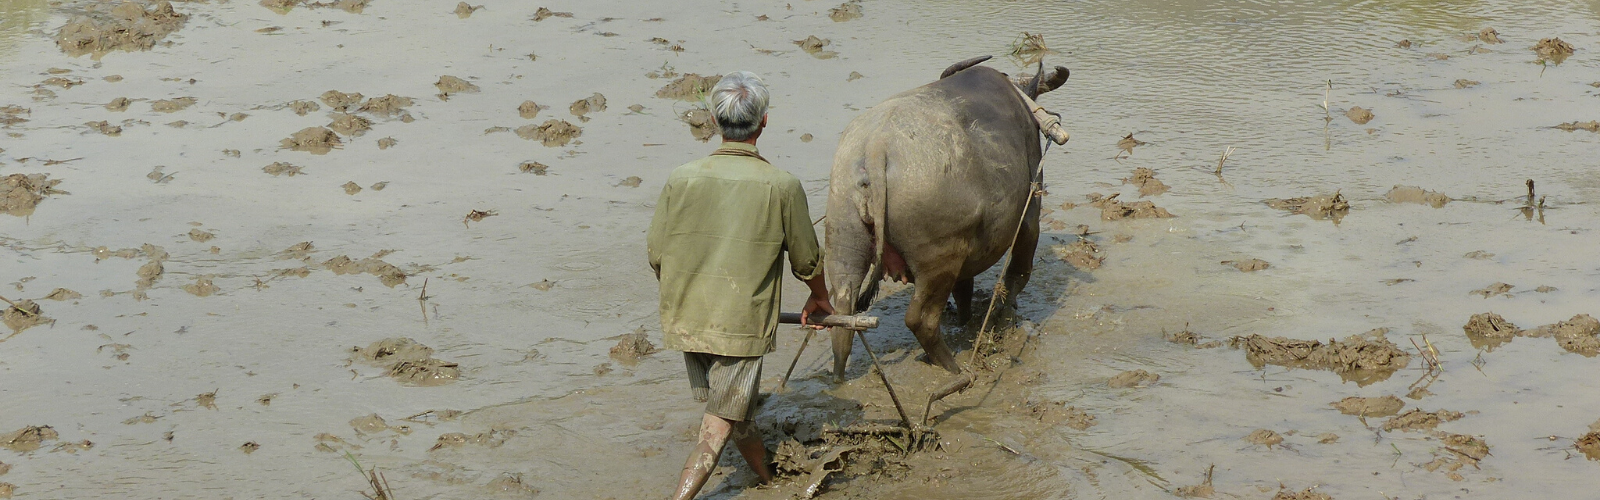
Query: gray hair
[[739, 102]]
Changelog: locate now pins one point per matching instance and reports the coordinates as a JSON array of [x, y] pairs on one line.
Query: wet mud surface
[[217, 317]]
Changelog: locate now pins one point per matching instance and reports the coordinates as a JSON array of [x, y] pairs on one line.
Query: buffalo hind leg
[[963, 297], [922, 316], [1021, 266]]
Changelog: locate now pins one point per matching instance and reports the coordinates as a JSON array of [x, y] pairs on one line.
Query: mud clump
[[1591, 125], [350, 125], [1383, 406], [1264, 437], [689, 87], [386, 272], [1589, 445], [28, 438], [1579, 335], [1133, 379], [172, 105], [1489, 35], [465, 11], [105, 128], [1493, 290], [845, 12], [533, 167], [388, 106], [1321, 207], [202, 287], [1553, 49], [1307, 494], [492, 439], [118, 105], [20, 193], [529, 110], [1417, 420], [130, 27], [595, 103], [1248, 266], [278, 168], [303, 107], [1081, 254], [553, 133], [314, 140], [1359, 115], [1465, 83], [812, 44], [1364, 358], [1413, 194], [407, 361], [1127, 143], [340, 101], [1191, 338], [545, 13], [387, 142], [1489, 330], [1146, 180], [633, 346], [1112, 209], [702, 125], [22, 315], [62, 294], [450, 85]]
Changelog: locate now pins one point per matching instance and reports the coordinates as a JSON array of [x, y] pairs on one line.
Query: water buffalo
[[928, 187]]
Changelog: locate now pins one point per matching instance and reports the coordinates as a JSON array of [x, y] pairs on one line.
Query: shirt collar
[[741, 146]]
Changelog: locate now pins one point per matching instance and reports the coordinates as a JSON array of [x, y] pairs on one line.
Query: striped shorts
[[727, 384]]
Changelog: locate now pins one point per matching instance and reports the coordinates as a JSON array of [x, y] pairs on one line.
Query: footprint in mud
[[510, 484], [386, 272], [1133, 379], [845, 11], [1459, 451], [491, 439], [1082, 254], [24, 314], [1493, 290], [1308, 494]]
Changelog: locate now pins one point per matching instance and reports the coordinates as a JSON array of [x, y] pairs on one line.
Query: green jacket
[[717, 242]]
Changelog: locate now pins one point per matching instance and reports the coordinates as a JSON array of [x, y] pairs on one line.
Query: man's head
[[739, 103]]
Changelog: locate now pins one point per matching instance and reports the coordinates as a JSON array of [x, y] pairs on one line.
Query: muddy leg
[[922, 317], [843, 341], [1021, 267], [714, 432], [748, 439], [963, 296]]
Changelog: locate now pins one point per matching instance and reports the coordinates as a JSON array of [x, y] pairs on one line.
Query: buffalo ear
[[957, 67], [1057, 77]]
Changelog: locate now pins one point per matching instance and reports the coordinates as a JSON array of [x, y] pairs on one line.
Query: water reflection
[[16, 18]]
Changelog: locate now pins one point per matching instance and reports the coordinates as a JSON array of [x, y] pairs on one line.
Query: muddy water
[[529, 302]]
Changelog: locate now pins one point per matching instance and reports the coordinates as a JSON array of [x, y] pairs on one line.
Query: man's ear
[[763, 121]]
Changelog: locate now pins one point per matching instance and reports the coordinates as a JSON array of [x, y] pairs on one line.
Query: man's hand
[[815, 304], [818, 301]]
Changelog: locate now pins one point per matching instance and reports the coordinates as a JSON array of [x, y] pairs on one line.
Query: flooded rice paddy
[[224, 248]]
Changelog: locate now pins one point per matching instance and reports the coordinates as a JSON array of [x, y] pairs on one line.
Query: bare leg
[[748, 440], [703, 459]]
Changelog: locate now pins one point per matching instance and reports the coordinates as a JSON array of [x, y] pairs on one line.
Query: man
[[716, 243]]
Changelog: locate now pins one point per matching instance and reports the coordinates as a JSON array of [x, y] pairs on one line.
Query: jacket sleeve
[[799, 238], [656, 238]]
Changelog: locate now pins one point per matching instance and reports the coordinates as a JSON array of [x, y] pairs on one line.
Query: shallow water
[[1190, 80]]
